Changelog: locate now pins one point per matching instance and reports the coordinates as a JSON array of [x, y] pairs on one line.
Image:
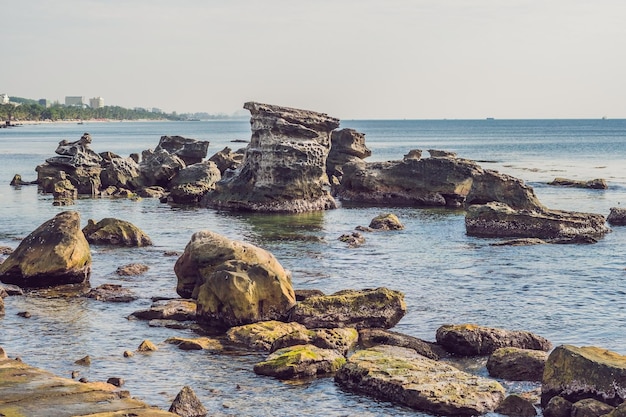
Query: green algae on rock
[[300, 361]]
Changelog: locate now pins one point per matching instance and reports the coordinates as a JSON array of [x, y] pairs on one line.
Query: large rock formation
[[284, 167], [347, 145], [191, 183], [500, 220], [191, 151], [403, 376], [56, 253], [234, 283]]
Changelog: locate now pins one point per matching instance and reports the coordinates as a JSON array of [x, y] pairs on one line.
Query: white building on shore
[[96, 102], [4, 98], [74, 100]]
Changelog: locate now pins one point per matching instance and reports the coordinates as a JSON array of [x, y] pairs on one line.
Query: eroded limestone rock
[[111, 231]]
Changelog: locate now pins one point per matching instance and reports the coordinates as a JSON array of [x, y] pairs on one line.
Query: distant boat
[[80, 123], [490, 118]]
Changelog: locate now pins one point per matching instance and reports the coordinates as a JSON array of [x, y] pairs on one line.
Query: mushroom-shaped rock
[[380, 307], [576, 373], [403, 376], [234, 282], [300, 361], [187, 404], [56, 253], [472, 340], [517, 364], [284, 167], [111, 231]]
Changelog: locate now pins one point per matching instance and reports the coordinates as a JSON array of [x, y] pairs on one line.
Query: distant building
[[96, 102], [44, 102], [156, 110], [4, 99], [74, 101]]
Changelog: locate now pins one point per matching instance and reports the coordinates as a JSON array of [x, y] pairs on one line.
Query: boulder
[[187, 404], [436, 153], [576, 373], [403, 376], [56, 253], [191, 151], [373, 337], [131, 270], [300, 361], [121, 173], [386, 221], [112, 293], [284, 167], [17, 181], [111, 231], [492, 186], [178, 309], [558, 407], [226, 159], [500, 220], [147, 346], [234, 282], [515, 405], [380, 307], [154, 191], [261, 335], [198, 343], [617, 216], [346, 145], [63, 191], [473, 340], [342, 339], [596, 184], [590, 407], [159, 167], [191, 183], [515, 364]]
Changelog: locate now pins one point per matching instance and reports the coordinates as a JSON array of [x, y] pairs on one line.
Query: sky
[[351, 59]]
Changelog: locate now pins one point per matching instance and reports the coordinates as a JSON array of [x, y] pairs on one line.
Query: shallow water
[[567, 293]]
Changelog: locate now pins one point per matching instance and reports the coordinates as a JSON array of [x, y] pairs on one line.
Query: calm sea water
[[568, 293]]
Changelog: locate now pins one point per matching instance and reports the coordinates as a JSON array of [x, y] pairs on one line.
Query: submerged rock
[[284, 167], [111, 231], [405, 377], [112, 293], [56, 253], [597, 184], [198, 343], [178, 310]]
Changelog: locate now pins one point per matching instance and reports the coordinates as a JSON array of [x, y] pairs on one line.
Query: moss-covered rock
[[403, 376], [515, 405], [341, 339], [380, 307], [373, 337], [576, 373], [111, 231], [263, 334], [300, 361], [473, 340], [56, 253], [517, 364]]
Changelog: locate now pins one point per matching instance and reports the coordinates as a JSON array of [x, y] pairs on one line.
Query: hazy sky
[[419, 59]]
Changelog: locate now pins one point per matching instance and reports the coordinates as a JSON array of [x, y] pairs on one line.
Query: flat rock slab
[[29, 391]]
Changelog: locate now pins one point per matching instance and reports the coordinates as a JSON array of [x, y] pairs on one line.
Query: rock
[[386, 221], [434, 153], [234, 282], [17, 181], [517, 364], [12, 289], [528, 241], [226, 159], [373, 337], [198, 343], [85, 361], [159, 167], [191, 183], [500, 220], [402, 376], [558, 407], [128, 354], [6, 250], [63, 190], [191, 151], [576, 373], [132, 270], [473, 340], [302, 295], [121, 173], [492, 186], [3, 353], [342, 339], [367, 308], [187, 404], [111, 293], [179, 310], [261, 335], [354, 239], [147, 346], [56, 253], [1, 306], [154, 191], [619, 411], [76, 154], [596, 184], [516, 406], [300, 361], [590, 407], [24, 314], [284, 167], [617, 217], [346, 145], [111, 231], [413, 154], [118, 382]]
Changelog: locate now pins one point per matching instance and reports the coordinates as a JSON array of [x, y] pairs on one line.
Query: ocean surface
[[572, 294]]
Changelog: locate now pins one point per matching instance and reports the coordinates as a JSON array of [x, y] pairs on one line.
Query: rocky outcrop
[[56, 253], [405, 377], [227, 160], [120, 172], [111, 231], [500, 220], [596, 184], [473, 340], [191, 151], [191, 183], [300, 361], [234, 282], [341, 339], [381, 308], [346, 145], [261, 335], [284, 167], [373, 337], [515, 364], [617, 216], [576, 373], [159, 167]]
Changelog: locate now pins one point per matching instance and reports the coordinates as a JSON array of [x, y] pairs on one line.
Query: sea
[[571, 294]]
